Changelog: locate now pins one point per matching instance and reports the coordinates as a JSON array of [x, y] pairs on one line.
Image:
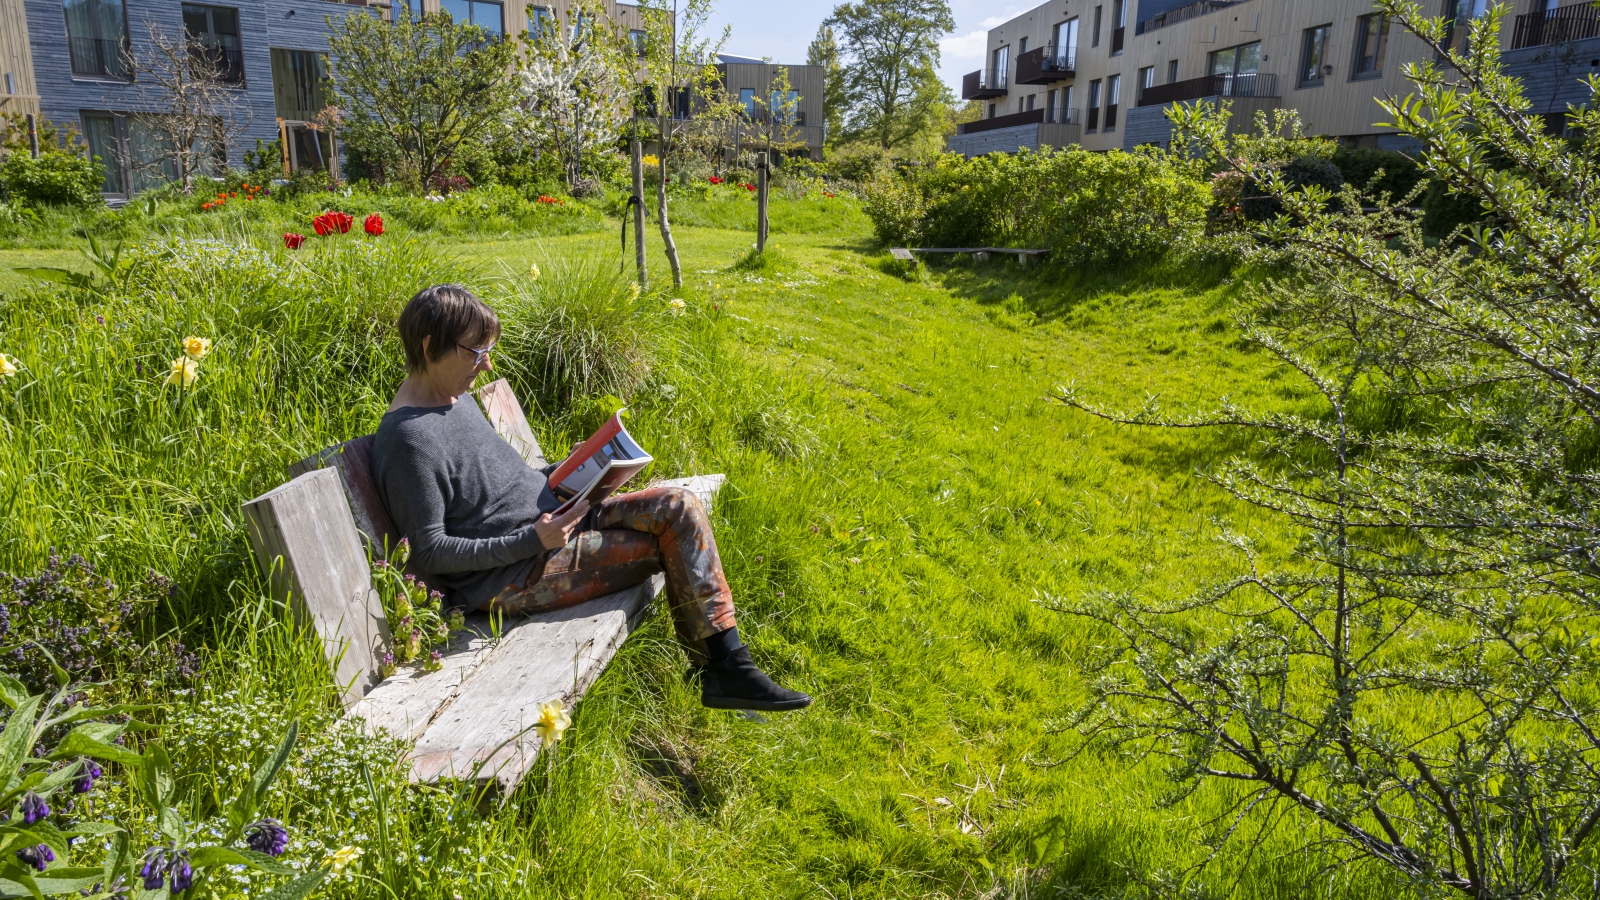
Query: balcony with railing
[[1031, 117], [1047, 64], [226, 64], [1577, 22], [1183, 14], [98, 57], [983, 84], [1251, 84]]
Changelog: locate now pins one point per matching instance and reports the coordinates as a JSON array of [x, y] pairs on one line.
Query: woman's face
[[457, 367]]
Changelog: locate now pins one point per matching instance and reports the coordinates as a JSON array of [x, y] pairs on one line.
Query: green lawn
[[905, 497]]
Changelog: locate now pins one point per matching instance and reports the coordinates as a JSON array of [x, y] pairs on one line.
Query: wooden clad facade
[[805, 81], [18, 93], [1329, 60]]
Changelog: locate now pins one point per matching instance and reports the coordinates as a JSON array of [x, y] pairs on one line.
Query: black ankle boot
[[734, 682]]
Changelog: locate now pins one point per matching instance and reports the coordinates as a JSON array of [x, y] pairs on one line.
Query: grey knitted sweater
[[466, 500]]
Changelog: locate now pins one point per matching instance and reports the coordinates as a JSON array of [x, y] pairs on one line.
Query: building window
[[1314, 55], [1050, 106], [486, 14], [97, 37], [540, 21], [1172, 72], [747, 99], [1147, 79], [785, 108], [297, 77], [1063, 49], [1236, 69], [1113, 97], [636, 37], [991, 110], [1094, 107], [1002, 61], [101, 133], [1094, 39], [1022, 46], [1372, 39], [1119, 21], [213, 33], [1458, 15], [1067, 116]]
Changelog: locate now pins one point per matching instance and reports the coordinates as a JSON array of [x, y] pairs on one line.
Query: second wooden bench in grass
[[472, 720]]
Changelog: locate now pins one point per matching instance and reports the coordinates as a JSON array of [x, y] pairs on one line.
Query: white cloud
[[967, 46]]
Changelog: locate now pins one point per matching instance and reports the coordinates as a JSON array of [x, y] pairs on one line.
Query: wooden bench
[[471, 720], [980, 254]]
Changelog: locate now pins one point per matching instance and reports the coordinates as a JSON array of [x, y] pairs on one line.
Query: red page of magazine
[[587, 449]]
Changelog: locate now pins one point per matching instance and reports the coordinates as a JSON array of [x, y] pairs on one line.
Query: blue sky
[[782, 30]]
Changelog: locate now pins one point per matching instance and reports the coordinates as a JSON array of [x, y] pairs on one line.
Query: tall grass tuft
[[579, 328]]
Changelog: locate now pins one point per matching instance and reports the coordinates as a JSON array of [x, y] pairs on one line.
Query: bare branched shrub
[[190, 102]]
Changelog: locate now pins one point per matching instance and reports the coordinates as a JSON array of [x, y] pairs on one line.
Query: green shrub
[[1083, 206], [54, 178], [1395, 173]]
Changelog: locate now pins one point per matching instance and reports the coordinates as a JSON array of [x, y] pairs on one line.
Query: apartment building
[[747, 79], [1101, 73]]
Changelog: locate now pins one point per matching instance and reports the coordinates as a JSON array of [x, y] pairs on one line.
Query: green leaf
[[155, 776], [79, 744], [17, 739], [274, 763], [83, 829], [11, 691], [170, 823], [66, 881], [227, 856], [58, 276], [298, 888]]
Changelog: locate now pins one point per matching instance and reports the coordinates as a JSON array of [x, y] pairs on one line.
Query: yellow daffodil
[[196, 348], [677, 305], [8, 366], [342, 857], [533, 271], [633, 291], [184, 372], [553, 720]]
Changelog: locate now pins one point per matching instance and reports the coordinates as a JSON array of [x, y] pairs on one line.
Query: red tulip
[[373, 224], [293, 241], [343, 220], [320, 225]]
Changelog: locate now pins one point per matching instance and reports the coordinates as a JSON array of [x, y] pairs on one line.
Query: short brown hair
[[448, 313]]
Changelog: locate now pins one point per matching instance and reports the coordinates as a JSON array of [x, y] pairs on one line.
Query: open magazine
[[600, 465]]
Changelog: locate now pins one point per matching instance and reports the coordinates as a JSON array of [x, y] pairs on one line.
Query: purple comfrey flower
[[267, 836], [182, 873], [33, 808], [38, 856], [154, 872], [85, 782]]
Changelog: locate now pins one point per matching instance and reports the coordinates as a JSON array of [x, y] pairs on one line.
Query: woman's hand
[[554, 531]]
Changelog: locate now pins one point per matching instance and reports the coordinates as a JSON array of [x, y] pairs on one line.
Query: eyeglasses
[[478, 356]]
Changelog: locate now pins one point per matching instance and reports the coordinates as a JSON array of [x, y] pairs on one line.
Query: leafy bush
[[68, 615], [1084, 206], [54, 178], [1399, 173], [1258, 204]]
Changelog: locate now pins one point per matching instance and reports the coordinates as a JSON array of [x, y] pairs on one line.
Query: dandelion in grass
[[8, 366], [553, 721], [676, 305], [38, 856], [343, 857], [633, 291], [196, 348], [183, 373]]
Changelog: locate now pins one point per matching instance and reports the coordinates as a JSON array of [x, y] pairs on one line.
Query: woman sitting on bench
[[480, 524]]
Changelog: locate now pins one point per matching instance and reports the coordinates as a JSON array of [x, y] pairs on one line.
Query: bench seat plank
[[486, 733]]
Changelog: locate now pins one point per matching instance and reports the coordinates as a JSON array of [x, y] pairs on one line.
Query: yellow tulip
[[196, 348], [184, 372], [342, 857], [553, 720], [8, 366]]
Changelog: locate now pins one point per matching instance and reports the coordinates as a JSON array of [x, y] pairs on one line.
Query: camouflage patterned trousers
[[624, 541]]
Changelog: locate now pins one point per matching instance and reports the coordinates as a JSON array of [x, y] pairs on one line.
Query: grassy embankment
[[902, 494]]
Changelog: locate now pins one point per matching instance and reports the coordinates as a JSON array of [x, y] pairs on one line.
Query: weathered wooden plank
[[501, 408], [704, 486], [353, 461], [306, 541], [407, 702], [486, 733]]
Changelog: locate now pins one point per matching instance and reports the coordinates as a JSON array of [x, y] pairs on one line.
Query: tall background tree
[[413, 93], [824, 51], [889, 53]]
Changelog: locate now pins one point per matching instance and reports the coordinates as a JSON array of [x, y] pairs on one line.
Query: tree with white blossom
[[575, 83]]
